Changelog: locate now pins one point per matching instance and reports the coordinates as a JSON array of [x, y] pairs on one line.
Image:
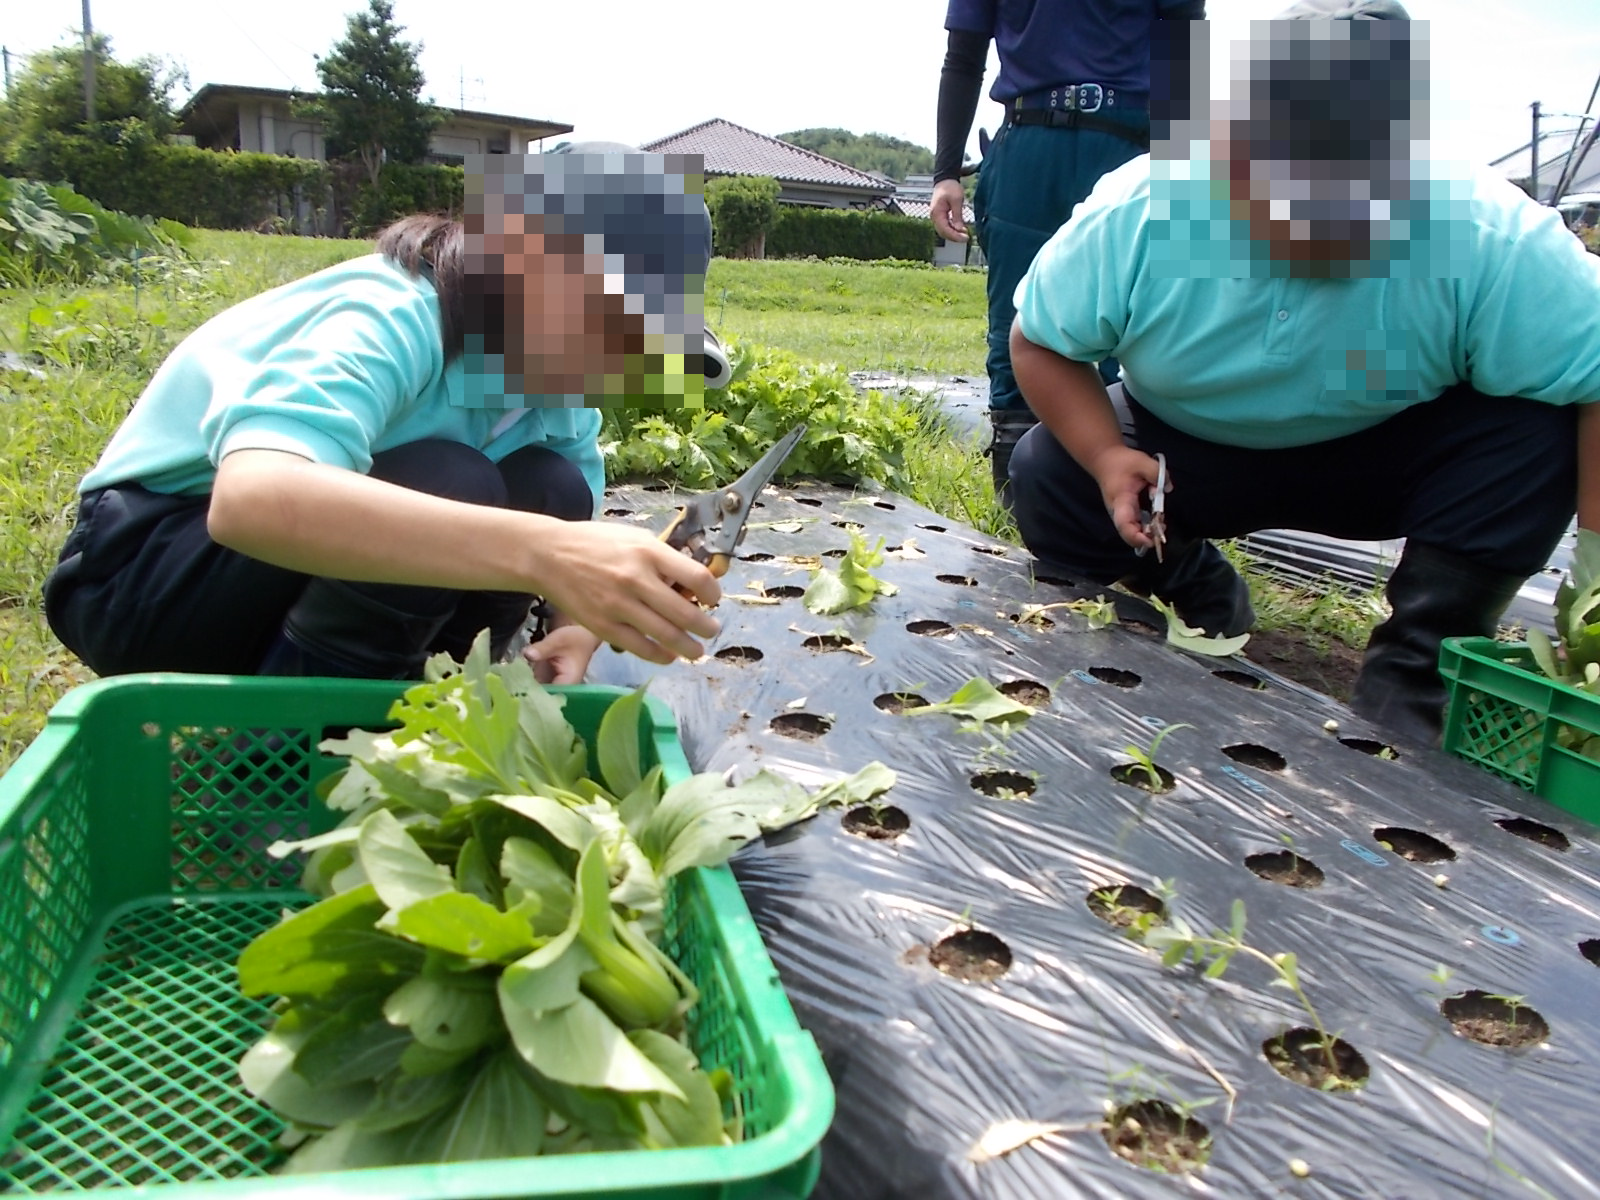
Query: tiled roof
[[731, 149], [924, 209]]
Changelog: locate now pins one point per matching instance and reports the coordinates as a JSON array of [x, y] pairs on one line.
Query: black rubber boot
[[1201, 584], [1008, 424], [1433, 594]]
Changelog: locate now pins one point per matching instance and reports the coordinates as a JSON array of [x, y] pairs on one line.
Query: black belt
[[1058, 118]]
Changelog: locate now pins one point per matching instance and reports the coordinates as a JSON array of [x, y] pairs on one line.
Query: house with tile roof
[[803, 176]]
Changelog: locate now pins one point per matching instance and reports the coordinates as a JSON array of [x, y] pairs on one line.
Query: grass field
[[98, 346]]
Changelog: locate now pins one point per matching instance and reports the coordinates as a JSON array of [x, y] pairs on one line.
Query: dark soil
[[827, 641], [1134, 775], [1116, 677], [1286, 867], [1034, 620], [958, 580], [1331, 672], [881, 825], [1368, 746], [1026, 691], [806, 727], [931, 628], [1260, 757], [739, 655], [972, 956], [1153, 1134], [1244, 679], [1301, 1055], [1494, 1021], [786, 592], [1412, 844], [1535, 832], [1590, 949], [898, 702], [1007, 785], [1120, 906]]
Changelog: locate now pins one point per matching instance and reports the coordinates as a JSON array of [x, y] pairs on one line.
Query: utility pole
[[1533, 179], [88, 65]]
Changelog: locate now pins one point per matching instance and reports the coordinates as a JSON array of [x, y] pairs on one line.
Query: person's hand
[[946, 210], [1125, 475], [617, 581], [562, 655]]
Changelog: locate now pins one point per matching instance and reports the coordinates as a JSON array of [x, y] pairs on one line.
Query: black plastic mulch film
[[1081, 1019]]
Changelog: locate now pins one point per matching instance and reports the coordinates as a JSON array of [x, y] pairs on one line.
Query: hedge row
[[848, 233]]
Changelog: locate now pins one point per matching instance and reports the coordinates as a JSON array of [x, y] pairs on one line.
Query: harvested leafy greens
[[1575, 658], [481, 976], [852, 585]]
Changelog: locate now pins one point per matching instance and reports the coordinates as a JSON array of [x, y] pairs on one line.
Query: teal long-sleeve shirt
[[335, 367], [1486, 288]]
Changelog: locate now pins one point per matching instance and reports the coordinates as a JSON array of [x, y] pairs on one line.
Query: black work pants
[[140, 585], [1491, 479]]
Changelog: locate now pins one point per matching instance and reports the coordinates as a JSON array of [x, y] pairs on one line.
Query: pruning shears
[[711, 525], [1155, 524]]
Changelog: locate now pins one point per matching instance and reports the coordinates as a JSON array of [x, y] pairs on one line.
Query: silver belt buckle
[[1081, 97]]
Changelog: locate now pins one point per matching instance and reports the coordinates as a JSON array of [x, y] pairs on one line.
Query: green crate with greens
[[265, 936], [1530, 712]]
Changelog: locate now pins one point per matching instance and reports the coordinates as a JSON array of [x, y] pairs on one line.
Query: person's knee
[[1035, 462], [441, 468], [542, 481]]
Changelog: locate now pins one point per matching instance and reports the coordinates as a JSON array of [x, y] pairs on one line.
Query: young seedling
[[1179, 941], [1145, 760], [1150, 1130], [1099, 612], [1135, 921]]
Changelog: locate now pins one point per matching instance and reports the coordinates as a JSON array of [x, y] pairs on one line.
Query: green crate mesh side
[[144, 1089], [234, 793], [1503, 737], [44, 899]]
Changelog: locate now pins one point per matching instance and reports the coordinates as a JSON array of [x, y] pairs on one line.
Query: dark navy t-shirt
[[1046, 43]]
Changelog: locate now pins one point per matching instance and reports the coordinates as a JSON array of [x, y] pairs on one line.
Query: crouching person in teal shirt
[[348, 473], [1318, 331]]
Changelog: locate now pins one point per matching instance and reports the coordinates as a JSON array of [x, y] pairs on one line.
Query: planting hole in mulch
[[1259, 757], [1302, 1055], [617, 512], [1121, 905], [898, 702], [883, 504], [1143, 627], [808, 501], [827, 641], [1116, 678], [1494, 1020], [1026, 691], [880, 824], [1154, 1134], [787, 591], [933, 528], [655, 487], [756, 556], [1055, 581], [1368, 746], [1285, 866], [1031, 620], [1004, 785], [807, 727], [849, 526], [1134, 775], [971, 956], [1535, 832], [997, 551], [1412, 844], [740, 656], [1590, 949], [834, 553], [958, 580], [928, 628], [1243, 678]]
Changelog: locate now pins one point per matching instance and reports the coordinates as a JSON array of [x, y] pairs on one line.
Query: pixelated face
[[589, 272], [1322, 126]]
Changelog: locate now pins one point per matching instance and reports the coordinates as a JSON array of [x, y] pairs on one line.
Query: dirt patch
[[1495, 1020], [1116, 677], [1026, 691], [1154, 1134], [880, 824], [1135, 775], [1260, 757], [1004, 785], [805, 727], [1286, 867], [1412, 844], [1121, 905], [1535, 832], [1330, 669], [1331, 1065], [972, 956], [898, 702]]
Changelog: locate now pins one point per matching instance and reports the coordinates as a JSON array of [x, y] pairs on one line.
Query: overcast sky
[[635, 70]]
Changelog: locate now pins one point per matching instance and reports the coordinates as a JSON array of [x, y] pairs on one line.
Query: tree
[[46, 98], [743, 210], [889, 156], [370, 106]]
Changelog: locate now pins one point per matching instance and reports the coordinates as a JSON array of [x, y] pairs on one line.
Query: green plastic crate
[[132, 873], [1504, 714]]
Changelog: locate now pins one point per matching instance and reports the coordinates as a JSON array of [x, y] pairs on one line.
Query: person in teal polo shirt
[[1076, 80], [1321, 331], [350, 472]]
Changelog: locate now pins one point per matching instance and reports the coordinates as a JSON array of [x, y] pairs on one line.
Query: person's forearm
[[326, 521], [1589, 467], [1068, 397], [960, 85]]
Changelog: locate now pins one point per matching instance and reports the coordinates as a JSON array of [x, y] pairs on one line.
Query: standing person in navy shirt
[[1075, 80]]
